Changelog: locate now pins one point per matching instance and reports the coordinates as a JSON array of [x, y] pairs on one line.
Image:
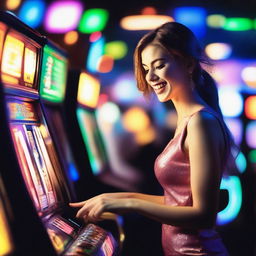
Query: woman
[[168, 62]]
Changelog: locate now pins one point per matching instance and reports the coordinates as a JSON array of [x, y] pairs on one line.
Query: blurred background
[[100, 37]]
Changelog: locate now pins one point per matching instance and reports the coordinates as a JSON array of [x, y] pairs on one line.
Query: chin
[[162, 99]]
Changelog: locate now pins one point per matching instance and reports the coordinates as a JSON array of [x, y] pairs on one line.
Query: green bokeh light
[[93, 20], [238, 24], [116, 49]]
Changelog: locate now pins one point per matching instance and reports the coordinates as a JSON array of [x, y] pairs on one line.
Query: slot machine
[[34, 177], [86, 139], [52, 91]]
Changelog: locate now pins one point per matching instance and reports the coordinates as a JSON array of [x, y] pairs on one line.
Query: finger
[[82, 212], [77, 204]]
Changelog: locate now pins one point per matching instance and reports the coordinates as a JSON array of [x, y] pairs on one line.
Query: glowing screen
[[29, 66], [53, 76], [12, 57], [88, 90], [92, 140]]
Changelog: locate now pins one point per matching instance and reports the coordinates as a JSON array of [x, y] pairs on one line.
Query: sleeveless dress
[[172, 170]]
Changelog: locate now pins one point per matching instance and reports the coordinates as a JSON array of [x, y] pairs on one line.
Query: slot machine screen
[[12, 59], [88, 90], [54, 75], [92, 140], [19, 61], [87, 98]]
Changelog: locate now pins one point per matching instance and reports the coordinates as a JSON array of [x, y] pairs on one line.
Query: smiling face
[[164, 73]]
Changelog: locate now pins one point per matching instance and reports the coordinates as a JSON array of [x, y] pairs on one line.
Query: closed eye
[[160, 66]]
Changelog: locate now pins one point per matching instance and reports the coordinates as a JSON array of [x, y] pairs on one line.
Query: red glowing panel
[[250, 107]]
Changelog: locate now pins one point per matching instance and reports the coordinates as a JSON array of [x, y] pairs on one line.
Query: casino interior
[[73, 124]]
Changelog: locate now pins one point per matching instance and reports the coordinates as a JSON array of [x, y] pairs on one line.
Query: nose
[[151, 76]]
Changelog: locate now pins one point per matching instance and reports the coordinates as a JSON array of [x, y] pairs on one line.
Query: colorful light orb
[[96, 51], [109, 112], [63, 16], [235, 126], [71, 37], [148, 10], [231, 102], [144, 22], [248, 75], [218, 51], [12, 4], [135, 119], [227, 73], [124, 88], [95, 36], [116, 49], [192, 17], [241, 162], [238, 24], [216, 20], [252, 156], [32, 12], [233, 185], [250, 107], [105, 64], [250, 134], [93, 20]]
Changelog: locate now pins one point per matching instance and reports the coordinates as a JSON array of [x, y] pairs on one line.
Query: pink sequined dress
[[172, 170]]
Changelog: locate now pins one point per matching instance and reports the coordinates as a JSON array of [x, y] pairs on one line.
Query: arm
[[204, 144]]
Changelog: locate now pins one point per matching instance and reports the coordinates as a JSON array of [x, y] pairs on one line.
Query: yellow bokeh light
[[135, 119], [71, 37], [12, 4]]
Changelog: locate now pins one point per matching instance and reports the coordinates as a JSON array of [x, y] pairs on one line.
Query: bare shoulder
[[205, 125]]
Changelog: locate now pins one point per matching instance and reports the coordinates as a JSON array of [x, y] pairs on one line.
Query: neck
[[187, 104]]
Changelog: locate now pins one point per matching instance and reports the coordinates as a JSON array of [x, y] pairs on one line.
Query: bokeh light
[[250, 107], [218, 51], [105, 64], [71, 37], [93, 20], [63, 16], [227, 98], [116, 49], [12, 4], [32, 12], [250, 134], [192, 17], [248, 75]]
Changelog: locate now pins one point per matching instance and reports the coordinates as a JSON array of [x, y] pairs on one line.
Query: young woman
[[168, 63]]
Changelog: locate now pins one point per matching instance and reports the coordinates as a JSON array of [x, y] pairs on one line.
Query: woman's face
[[167, 76]]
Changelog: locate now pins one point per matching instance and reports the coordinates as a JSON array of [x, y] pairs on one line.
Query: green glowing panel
[[238, 24], [252, 156], [93, 20], [53, 75], [116, 49], [92, 140]]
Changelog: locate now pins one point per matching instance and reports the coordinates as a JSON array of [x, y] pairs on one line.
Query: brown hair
[[180, 42]]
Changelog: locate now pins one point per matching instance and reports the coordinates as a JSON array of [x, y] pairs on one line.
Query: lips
[[159, 87]]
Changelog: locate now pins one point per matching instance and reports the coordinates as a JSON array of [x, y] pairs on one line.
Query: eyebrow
[[152, 62]]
